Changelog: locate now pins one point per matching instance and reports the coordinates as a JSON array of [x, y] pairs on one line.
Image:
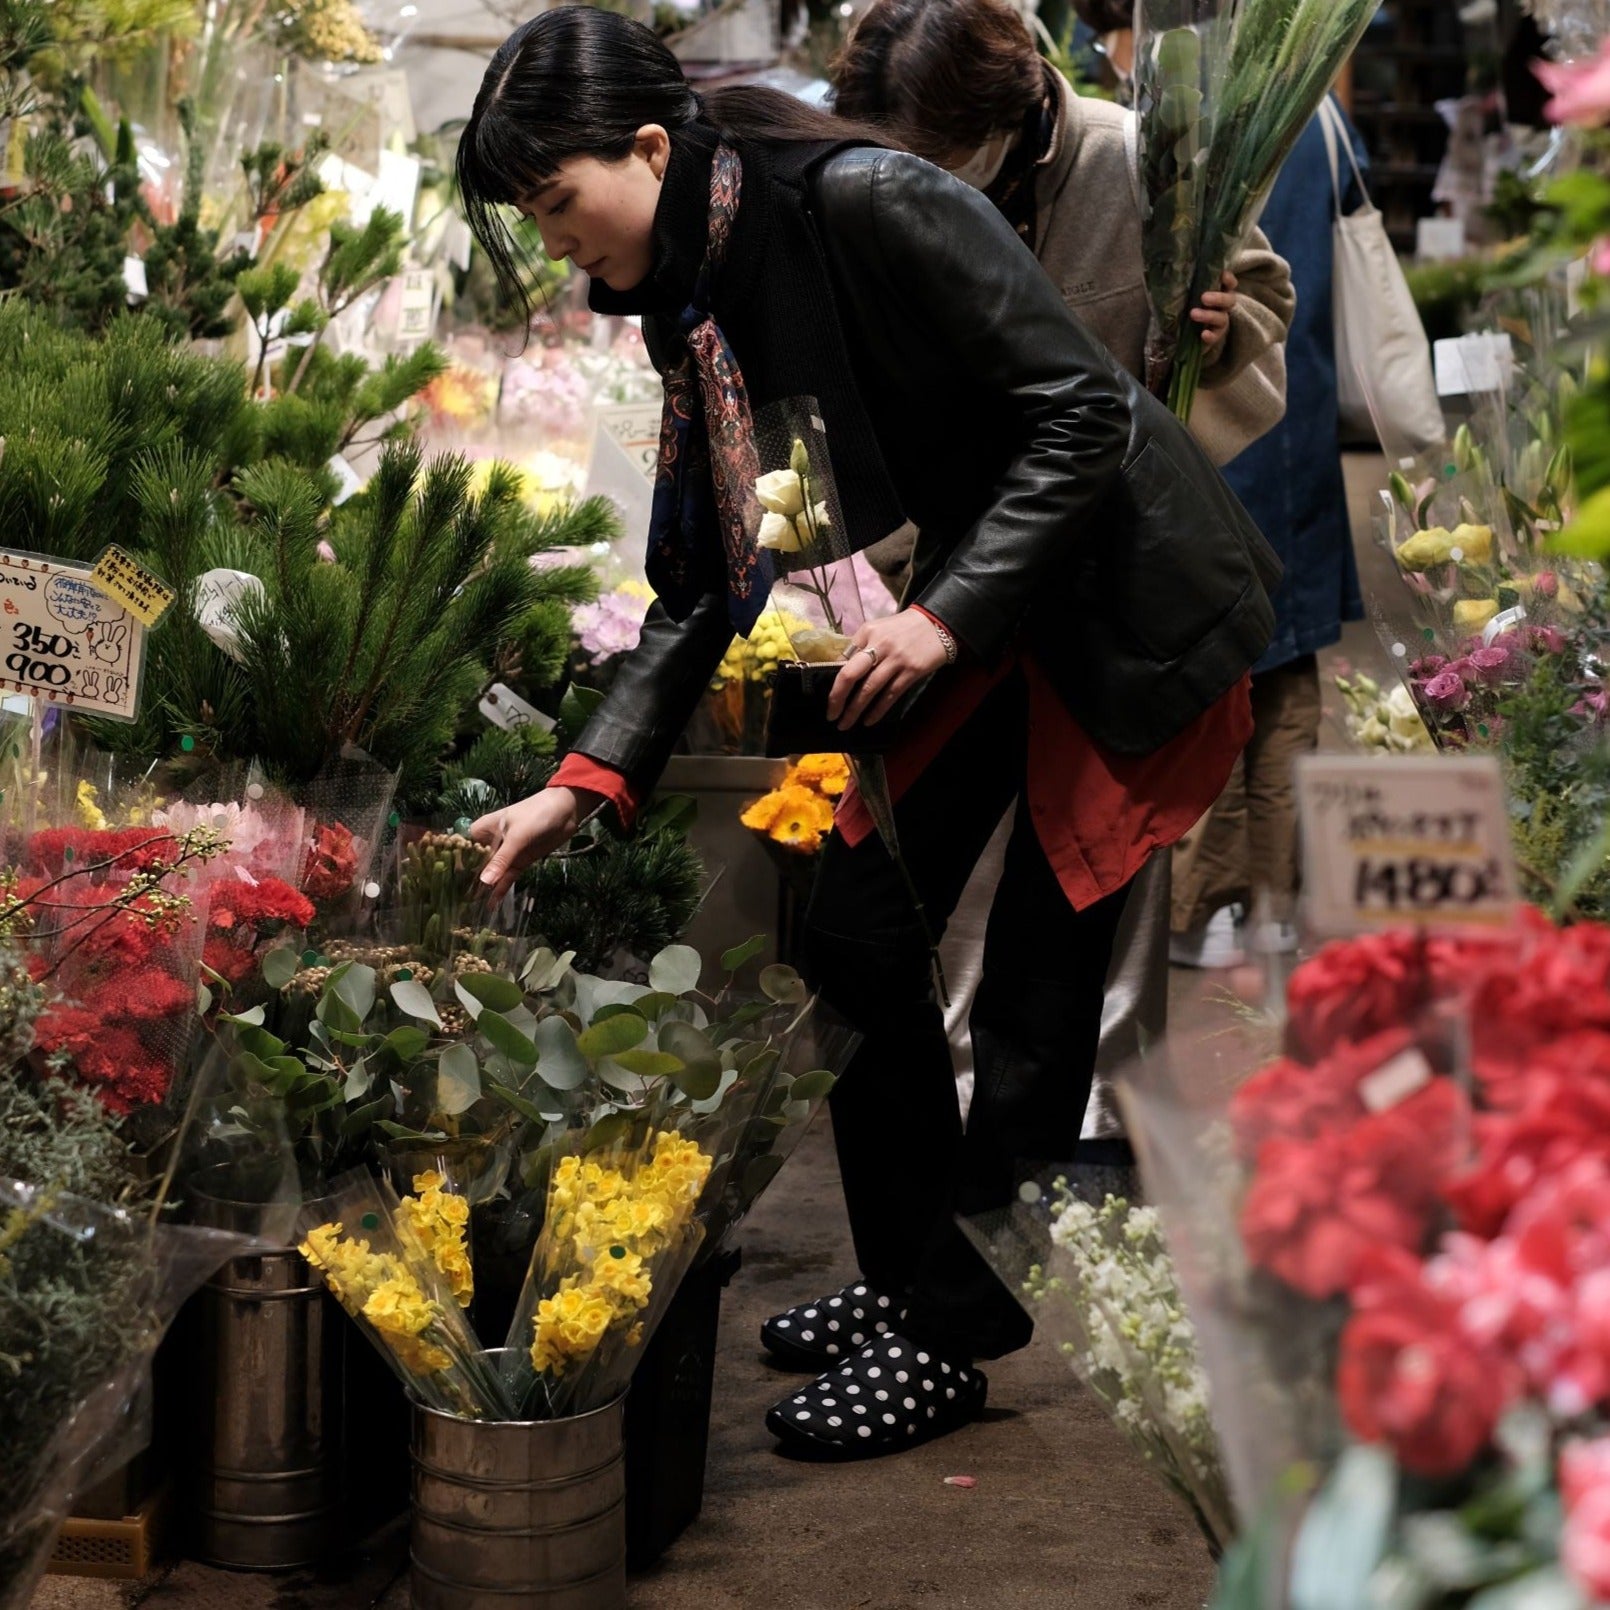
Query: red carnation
[[1315, 1209], [1412, 1378], [332, 862], [1299, 1102]]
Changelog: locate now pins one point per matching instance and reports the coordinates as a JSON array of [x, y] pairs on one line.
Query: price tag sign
[[64, 640], [1412, 839], [143, 593], [636, 427]]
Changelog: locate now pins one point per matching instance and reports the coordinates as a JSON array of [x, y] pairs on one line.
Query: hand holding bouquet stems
[[1223, 88], [884, 660]]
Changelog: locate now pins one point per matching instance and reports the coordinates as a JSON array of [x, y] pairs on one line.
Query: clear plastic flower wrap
[[393, 1266], [1097, 1278], [86, 1292], [619, 1232], [1390, 1229], [1223, 89]]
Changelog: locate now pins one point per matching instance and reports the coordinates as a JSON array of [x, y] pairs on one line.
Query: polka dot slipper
[[819, 1334], [892, 1395]]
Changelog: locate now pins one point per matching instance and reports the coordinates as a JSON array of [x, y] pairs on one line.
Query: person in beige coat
[[961, 83]]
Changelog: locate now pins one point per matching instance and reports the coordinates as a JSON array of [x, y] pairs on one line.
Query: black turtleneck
[[773, 301]]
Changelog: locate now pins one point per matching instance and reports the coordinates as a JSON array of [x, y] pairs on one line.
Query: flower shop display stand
[[668, 1414], [528, 1513], [746, 898]]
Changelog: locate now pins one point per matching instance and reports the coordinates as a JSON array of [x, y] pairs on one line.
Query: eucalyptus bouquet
[[1223, 89]]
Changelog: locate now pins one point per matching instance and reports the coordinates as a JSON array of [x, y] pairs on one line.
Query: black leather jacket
[[1061, 506]]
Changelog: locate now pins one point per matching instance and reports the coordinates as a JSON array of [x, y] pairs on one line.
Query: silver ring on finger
[[872, 654]]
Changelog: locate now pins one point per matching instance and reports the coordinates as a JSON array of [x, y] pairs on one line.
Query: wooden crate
[[122, 1549]]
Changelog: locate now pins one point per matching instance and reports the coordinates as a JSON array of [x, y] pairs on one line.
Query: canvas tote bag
[[1385, 381]]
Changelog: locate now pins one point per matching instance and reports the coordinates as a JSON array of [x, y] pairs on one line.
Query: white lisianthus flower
[[808, 533], [781, 492], [1403, 716], [779, 533]]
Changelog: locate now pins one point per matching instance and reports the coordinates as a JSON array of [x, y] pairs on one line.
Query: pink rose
[[1446, 693], [1585, 1490], [1427, 666], [1488, 665], [1547, 640], [1581, 90]]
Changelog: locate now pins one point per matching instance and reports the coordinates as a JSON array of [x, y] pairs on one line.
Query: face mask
[[983, 167]]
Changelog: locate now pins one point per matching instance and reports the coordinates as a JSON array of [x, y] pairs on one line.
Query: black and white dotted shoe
[[817, 1335], [892, 1395]]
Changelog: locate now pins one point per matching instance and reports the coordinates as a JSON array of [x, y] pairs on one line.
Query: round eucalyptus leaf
[[413, 998], [458, 1081], [783, 985], [675, 970]]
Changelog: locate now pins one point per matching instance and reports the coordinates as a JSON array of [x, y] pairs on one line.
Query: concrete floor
[[1063, 1515]]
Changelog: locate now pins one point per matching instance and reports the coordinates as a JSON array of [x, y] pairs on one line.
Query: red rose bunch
[[1433, 1154]]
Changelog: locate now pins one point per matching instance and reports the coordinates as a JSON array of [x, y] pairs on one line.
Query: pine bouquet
[[1224, 88]]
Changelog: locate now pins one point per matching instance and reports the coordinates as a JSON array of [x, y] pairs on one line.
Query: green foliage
[[384, 647], [1558, 772], [356, 261], [636, 895]]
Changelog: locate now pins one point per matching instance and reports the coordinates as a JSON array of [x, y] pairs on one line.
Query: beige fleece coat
[[1088, 200]]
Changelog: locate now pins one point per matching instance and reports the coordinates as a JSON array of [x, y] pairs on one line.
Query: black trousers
[[908, 1166]]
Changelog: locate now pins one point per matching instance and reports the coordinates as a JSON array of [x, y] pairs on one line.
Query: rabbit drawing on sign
[[110, 645]]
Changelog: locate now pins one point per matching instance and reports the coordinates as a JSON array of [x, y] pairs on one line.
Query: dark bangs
[[575, 81]]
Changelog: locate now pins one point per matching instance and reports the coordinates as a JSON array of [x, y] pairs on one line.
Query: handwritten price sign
[[1405, 840], [64, 640]]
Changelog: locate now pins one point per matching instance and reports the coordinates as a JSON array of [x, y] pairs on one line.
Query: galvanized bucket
[[269, 1465], [527, 1513]]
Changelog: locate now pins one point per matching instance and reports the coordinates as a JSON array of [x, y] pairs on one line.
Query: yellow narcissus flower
[[622, 1272], [401, 1313], [1474, 542], [438, 1220], [90, 814], [1427, 549], [569, 1325], [1471, 614], [781, 492]]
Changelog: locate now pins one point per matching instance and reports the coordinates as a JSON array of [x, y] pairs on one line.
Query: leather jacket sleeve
[[938, 254], [656, 691]]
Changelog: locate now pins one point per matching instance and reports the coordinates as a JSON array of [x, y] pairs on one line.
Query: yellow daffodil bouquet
[[401, 1269], [619, 1233]]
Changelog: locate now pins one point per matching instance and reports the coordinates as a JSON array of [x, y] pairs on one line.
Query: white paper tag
[[457, 242], [1576, 278], [503, 707], [416, 316], [1471, 364], [1439, 240], [245, 241], [218, 595], [348, 480], [1394, 1082], [134, 278], [636, 428], [396, 187], [1411, 839], [1505, 621], [64, 640]]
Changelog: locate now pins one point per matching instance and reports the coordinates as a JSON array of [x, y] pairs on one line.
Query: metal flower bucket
[[519, 1513], [269, 1469]]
